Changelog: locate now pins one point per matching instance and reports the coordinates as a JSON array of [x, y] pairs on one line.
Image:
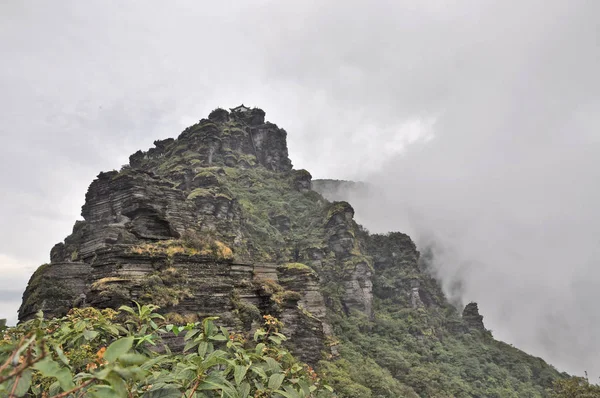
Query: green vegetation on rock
[[217, 222], [93, 353], [298, 267]]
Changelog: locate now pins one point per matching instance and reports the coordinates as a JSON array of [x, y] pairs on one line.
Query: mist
[[515, 230], [503, 186], [476, 124]]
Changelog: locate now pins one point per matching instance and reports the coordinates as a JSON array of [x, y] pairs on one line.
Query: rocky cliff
[[217, 222], [214, 222]]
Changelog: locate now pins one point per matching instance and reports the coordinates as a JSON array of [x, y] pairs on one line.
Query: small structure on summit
[[241, 108], [252, 117]]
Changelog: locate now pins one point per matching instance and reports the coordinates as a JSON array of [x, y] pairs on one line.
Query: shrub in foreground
[[103, 353]]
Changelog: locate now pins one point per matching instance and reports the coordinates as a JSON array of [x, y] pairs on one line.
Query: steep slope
[[216, 222], [420, 340]]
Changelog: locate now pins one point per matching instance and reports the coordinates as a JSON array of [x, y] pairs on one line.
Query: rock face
[[214, 222], [472, 318], [400, 273]]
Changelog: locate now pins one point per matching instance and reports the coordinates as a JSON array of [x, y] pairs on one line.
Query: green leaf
[[211, 386], [214, 358], [127, 309], [187, 374], [214, 382], [130, 372], [275, 340], [118, 348], [224, 330], [190, 326], [114, 329], [239, 372], [49, 368], [90, 334], [259, 348], [118, 385], [272, 364], [102, 392], [80, 326], [23, 384], [288, 394], [275, 381], [218, 337], [149, 338], [65, 378], [304, 386], [244, 390], [209, 325], [190, 344], [103, 373], [259, 333], [202, 347], [190, 334], [151, 362], [61, 355], [173, 328], [164, 392], [132, 359], [260, 372], [54, 389]]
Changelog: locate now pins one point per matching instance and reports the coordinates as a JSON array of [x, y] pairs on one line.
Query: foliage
[[190, 244], [97, 354], [206, 244], [402, 349], [266, 198], [278, 295], [575, 387], [247, 312], [357, 376], [210, 193], [298, 267], [165, 288], [425, 347], [412, 347]]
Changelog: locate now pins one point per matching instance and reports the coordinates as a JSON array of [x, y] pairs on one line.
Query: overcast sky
[[477, 122]]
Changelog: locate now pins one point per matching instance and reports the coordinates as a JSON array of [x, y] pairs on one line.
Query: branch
[[12, 392], [10, 359], [67, 393], [29, 361], [17, 372], [193, 389]]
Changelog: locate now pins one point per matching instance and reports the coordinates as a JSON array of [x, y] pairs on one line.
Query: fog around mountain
[[476, 125]]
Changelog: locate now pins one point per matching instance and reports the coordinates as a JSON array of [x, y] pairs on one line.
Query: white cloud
[[509, 182], [15, 274]]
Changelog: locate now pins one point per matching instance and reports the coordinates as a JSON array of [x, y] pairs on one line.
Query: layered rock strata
[[214, 222]]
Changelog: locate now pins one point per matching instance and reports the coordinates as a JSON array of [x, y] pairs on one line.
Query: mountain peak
[[216, 222], [239, 138]]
